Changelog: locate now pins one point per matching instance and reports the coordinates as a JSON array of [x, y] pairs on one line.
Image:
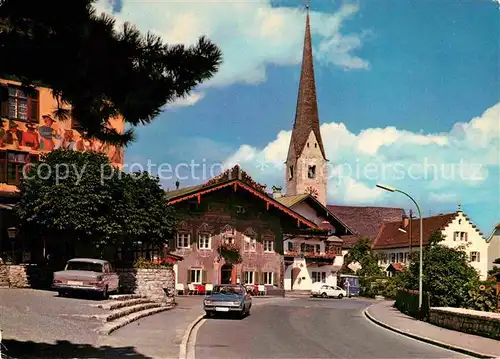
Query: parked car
[[86, 275], [328, 291], [228, 298]]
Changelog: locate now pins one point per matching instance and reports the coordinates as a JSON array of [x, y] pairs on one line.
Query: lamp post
[[12, 233], [421, 267]]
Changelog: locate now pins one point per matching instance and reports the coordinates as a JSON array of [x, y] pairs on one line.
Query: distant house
[[493, 246], [394, 244]]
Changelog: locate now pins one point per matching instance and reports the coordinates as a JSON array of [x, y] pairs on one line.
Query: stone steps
[[110, 327], [116, 314], [125, 296], [117, 304]]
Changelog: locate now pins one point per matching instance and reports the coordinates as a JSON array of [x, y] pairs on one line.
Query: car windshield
[[228, 290], [84, 266]]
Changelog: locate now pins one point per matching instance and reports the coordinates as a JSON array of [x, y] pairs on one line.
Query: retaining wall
[[148, 283], [485, 324], [19, 275]]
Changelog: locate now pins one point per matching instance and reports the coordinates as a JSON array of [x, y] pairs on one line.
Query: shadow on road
[[13, 349]]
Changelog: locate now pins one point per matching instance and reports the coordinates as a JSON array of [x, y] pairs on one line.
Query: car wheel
[[61, 293], [340, 296], [323, 295], [208, 314]]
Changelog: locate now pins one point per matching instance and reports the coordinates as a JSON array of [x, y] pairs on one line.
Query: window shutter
[[33, 109], [4, 101], [189, 276], [465, 236], [478, 253], [204, 277]]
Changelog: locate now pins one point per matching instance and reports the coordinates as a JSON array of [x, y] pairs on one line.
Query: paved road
[[308, 328]]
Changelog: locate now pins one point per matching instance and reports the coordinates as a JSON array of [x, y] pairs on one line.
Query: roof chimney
[[277, 192], [406, 221]]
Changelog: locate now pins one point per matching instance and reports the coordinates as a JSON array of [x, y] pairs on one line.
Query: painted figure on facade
[[48, 134], [14, 135], [30, 137], [69, 141]]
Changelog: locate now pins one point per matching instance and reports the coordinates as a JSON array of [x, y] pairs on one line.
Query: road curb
[[424, 339], [185, 339]]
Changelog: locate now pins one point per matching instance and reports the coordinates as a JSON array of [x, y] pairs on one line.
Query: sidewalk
[[160, 335], [385, 315]]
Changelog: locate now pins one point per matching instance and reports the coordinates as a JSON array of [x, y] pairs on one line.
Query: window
[[393, 257], [249, 277], [315, 145], [460, 236], [474, 257], [290, 246], [250, 244], [20, 105], [317, 248], [195, 276], [290, 172], [405, 257], [307, 144], [318, 277], [12, 165], [400, 257], [204, 241], [311, 173], [268, 278], [183, 240], [269, 246], [228, 235], [240, 210], [383, 258]]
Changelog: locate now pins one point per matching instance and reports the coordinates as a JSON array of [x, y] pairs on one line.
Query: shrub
[[407, 302], [483, 298], [143, 263]]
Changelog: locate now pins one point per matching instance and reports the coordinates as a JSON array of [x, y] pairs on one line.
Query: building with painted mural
[[29, 129]]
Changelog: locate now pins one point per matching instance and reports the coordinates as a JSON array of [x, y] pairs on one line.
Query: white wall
[[310, 213], [475, 242], [493, 248], [304, 279]]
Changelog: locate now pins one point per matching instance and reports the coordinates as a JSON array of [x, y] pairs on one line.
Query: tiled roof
[[350, 240], [306, 113], [398, 267], [366, 221], [495, 229], [290, 201], [390, 236], [182, 191]]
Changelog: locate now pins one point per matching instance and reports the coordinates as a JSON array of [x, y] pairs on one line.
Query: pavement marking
[[419, 339], [191, 347]]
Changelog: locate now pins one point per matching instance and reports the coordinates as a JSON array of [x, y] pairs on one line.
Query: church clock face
[[312, 191]]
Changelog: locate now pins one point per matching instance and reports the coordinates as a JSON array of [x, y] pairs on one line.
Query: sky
[[408, 96]]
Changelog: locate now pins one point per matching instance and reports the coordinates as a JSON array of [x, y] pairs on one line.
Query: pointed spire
[[306, 114]]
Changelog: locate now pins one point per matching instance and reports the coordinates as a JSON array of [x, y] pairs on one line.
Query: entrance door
[[226, 274]]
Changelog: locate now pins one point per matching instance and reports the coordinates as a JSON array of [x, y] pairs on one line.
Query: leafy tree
[[362, 253], [79, 199], [447, 275], [101, 72]]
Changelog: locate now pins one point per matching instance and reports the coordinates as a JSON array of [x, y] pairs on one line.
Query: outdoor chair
[[179, 288], [192, 289], [261, 289], [209, 288]]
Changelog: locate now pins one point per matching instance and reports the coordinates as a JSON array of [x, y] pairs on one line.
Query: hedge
[[407, 302]]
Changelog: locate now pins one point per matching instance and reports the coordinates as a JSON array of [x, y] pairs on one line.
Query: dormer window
[[311, 173], [290, 173]]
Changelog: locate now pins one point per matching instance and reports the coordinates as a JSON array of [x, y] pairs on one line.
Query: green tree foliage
[[447, 275], [79, 196], [98, 70], [362, 253]]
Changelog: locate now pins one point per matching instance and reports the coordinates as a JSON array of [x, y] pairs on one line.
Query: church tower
[[306, 160]]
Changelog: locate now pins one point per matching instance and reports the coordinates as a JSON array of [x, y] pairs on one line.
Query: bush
[[483, 297], [143, 263]]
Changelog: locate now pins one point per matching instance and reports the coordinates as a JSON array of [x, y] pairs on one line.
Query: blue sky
[[402, 86]]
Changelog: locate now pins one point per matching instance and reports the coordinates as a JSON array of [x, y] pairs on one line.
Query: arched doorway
[[226, 274]]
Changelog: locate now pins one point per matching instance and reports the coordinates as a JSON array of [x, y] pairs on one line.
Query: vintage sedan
[[228, 298], [88, 275]]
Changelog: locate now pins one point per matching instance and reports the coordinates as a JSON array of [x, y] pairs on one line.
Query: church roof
[[306, 113]]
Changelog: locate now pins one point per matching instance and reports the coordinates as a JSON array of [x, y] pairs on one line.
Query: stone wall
[[468, 321], [19, 276], [148, 283]]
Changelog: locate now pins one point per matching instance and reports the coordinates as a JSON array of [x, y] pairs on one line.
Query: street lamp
[[421, 267], [12, 234]]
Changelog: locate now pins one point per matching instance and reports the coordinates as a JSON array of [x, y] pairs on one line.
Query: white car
[[328, 291]]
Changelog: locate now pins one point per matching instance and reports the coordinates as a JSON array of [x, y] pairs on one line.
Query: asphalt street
[[308, 328]]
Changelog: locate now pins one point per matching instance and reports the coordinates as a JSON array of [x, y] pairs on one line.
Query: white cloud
[[251, 34], [436, 167], [189, 100]]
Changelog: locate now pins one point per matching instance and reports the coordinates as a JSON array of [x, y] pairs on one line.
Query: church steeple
[[306, 160], [306, 113]]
